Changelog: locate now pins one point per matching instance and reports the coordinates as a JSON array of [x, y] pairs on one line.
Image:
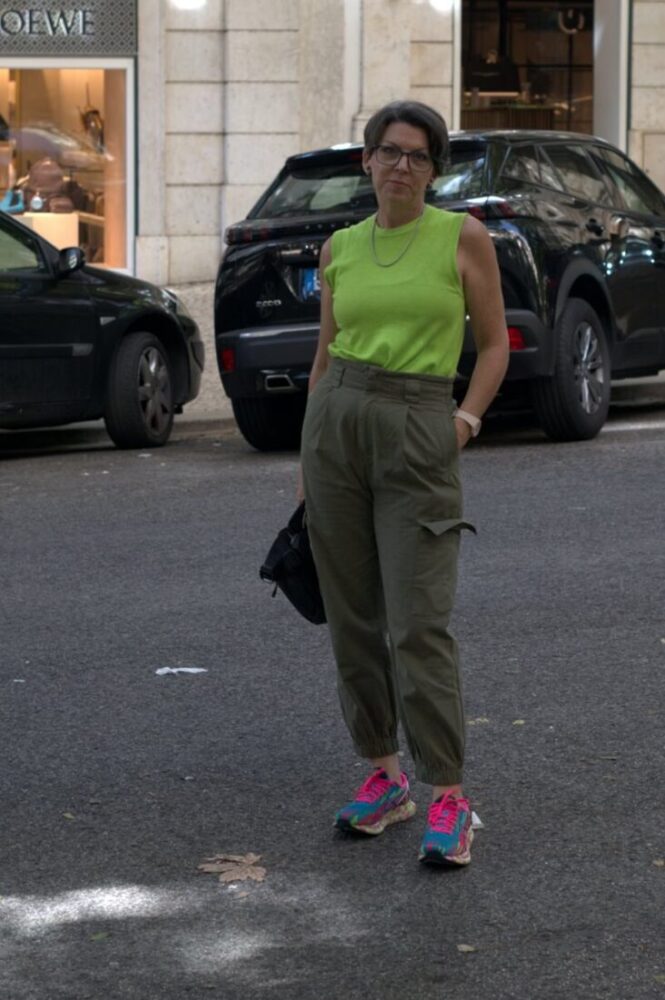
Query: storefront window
[[527, 64], [63, 157]]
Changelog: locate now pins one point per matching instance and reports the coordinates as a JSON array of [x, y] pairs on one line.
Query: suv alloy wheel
[[572, 404]]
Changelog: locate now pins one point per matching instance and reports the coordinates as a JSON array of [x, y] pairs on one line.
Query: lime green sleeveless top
[[408, 317]]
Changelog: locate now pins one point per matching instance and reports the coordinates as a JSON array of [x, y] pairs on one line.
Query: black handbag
[[290, 566]]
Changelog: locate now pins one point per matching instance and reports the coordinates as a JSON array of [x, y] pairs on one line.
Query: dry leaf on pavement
[[659, 862], [234, 867], [466, 949]]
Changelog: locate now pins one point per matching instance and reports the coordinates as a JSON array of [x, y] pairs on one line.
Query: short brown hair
[[411, 113]]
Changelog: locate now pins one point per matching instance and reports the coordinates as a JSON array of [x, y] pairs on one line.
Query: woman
[[380, 449]]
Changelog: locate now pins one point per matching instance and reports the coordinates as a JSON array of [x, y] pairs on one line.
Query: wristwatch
[[475, 423]]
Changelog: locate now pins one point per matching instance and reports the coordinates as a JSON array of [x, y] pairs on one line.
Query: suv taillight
[[227, 358], [491, 208], [245, 234], [516, 340]]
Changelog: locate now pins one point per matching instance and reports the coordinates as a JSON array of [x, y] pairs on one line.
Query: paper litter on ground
[[476, 822], [181, 670]]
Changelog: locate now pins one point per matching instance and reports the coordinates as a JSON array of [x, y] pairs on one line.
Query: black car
[[79, 343], [579, 233]]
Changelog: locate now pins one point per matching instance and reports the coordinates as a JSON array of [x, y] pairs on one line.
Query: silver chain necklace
[[400, 255]]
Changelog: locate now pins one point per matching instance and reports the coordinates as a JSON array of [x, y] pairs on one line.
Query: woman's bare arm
[[328, 329], [479, 272]]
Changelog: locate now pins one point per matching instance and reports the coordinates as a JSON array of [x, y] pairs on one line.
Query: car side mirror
[[70, 259]]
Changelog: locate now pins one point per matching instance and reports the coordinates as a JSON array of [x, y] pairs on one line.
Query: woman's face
[[400, 184]]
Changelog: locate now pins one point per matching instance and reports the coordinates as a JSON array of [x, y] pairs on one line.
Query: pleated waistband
[[407, 386]]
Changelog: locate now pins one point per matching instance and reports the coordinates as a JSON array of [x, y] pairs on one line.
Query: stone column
[[262, 108], [647, 96], [386, 57], [152, 252], [194, 140], [329, 71], [433, 58]]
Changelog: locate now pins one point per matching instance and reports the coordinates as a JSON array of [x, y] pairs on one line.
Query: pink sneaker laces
[[374, 787], [442, 815]]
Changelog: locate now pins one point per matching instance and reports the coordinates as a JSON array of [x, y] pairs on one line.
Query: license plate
[[310, 284]]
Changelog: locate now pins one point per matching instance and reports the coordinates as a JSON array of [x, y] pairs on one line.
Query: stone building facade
[[228, 90], [647, 88]]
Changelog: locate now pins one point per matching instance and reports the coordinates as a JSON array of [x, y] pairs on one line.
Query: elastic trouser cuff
[[436, 774], [378, 748]]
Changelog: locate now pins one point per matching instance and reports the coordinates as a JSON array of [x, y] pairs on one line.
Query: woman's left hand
[[463, 432]]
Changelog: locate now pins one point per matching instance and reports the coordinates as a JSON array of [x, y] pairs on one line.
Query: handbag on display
[[12, 202], [290, 566]]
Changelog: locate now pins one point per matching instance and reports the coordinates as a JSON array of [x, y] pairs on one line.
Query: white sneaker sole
[[398, 815]]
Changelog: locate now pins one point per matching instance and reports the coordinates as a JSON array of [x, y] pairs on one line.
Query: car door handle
[[596, 227]]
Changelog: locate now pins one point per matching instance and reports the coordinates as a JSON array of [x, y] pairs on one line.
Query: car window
[[521, 166], [316, 188], [464, 174], [548, 174], [19, 252], [637, 191], [578, 174]]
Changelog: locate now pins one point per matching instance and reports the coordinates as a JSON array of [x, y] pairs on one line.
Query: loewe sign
[[95, 27], [29, 21]]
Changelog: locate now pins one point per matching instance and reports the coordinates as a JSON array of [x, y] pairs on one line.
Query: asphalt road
[[117, 782]]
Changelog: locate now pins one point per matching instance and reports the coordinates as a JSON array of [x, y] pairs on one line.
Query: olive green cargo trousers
[[382, 489]]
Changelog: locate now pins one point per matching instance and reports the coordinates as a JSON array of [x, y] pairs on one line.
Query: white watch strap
[[475, 423]]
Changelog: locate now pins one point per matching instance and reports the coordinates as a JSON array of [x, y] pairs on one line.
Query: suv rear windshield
[[342, 187], [316, 189], [464, 177]]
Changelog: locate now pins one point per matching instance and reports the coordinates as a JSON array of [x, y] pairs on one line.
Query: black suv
[[579, 233]]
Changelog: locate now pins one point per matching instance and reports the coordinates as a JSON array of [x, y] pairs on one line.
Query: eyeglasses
[[389, 155]]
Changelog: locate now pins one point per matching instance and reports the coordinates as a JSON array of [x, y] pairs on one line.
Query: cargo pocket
[[435, 567]]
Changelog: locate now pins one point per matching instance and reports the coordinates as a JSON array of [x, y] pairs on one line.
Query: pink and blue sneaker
[[448, 834], [377, 803]]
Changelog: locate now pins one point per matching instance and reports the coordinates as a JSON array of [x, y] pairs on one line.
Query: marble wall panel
[[152, 258], [258, 15], [195, 107], [654, 158], [262, 56], [440, 98], [210, 17], [648, 22], [194, 159], [429, 24], [647, 105], [648, 66], [262, 107], [193, 210], [194, 55], [431, 64], [194, 258], [255, 159]]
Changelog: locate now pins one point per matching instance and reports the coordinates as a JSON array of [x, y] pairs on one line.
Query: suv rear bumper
[[277, 359]]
